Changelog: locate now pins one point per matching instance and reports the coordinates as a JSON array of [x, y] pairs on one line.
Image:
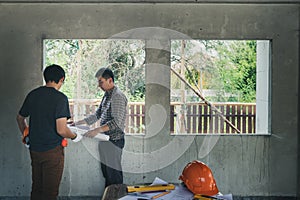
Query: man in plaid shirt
[[111, 114]]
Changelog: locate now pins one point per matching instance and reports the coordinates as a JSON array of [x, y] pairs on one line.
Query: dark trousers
[[47, 170], [111, 156]]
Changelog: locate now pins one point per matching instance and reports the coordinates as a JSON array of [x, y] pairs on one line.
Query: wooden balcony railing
[[189, 118]]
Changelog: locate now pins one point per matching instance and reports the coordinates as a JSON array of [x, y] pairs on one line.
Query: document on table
[[179, 193], [225, 196]]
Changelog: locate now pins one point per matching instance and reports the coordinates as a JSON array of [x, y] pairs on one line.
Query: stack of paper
[[179, 193]]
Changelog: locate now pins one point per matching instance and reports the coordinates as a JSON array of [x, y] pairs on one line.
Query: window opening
[[217, 86], [231, 77]]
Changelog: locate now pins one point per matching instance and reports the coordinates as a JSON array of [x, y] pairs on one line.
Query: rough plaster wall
[[242, 165], [298, 183]]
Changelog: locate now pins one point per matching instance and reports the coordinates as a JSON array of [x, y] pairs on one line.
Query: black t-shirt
[[44, 105]]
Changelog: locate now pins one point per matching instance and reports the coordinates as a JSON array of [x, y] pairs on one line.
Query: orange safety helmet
[[199, 179]]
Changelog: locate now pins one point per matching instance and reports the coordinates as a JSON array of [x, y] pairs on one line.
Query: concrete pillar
[[157, 102], [262, 86]]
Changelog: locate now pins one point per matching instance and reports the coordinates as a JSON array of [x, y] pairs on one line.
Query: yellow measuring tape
[[150, 188]]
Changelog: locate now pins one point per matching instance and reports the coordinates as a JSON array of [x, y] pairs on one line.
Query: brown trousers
[[47, 170]]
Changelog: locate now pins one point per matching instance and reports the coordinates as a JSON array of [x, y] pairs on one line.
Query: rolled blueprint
[[83, 129]]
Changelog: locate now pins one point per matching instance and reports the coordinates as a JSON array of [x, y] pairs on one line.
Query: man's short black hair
[[105, 73], [53, 73]]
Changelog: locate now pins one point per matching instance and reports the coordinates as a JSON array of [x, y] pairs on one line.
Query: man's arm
[[119, 106], [63, 130], [22, 124], [92, 133]]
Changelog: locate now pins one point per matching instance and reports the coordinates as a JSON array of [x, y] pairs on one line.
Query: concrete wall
[[242, 165]]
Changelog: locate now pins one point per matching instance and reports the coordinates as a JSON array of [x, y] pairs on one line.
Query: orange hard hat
[[199, 179]]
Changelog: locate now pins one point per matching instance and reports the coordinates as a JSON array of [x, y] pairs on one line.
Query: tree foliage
[[228, 68], [237, 68], [82, 58]]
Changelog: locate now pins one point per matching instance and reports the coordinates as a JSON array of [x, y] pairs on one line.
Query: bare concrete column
[[262, 87], [157, 87]]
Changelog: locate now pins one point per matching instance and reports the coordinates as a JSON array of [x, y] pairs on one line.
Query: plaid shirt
[[111, 111]]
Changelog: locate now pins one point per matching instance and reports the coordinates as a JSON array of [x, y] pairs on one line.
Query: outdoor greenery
[[225, 68], [81, 59]]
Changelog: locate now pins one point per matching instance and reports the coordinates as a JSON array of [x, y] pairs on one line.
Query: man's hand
[[77, 138], [91, 133]]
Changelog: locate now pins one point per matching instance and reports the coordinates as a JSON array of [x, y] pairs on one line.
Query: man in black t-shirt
[[48, 112]]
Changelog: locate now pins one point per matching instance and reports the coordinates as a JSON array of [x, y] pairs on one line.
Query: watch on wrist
[[74, 137]]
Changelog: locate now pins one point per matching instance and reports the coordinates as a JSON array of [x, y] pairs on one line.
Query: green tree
[[226, 67], [82, 58], [237, 68]]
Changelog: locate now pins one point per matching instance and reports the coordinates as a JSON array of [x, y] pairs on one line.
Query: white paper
[[225, 196], [79, 129], [158, 181], [102, 137], [83, 129], [180, 193]]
